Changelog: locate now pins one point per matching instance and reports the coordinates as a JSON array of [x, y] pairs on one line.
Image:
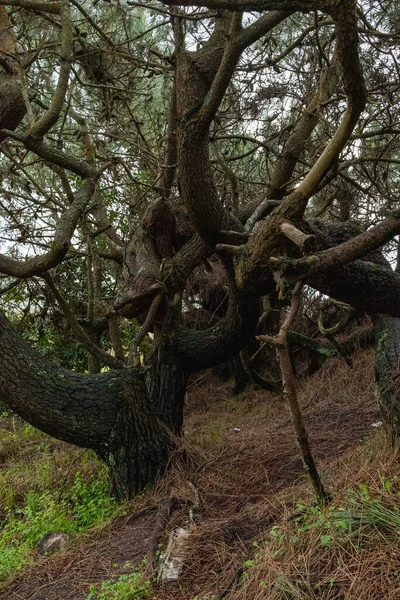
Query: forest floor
[[256, 532]]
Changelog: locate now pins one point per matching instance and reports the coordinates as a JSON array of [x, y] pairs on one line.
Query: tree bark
[[387, 362], [12, 103], [138, 447], [166, 382], [112, 412]]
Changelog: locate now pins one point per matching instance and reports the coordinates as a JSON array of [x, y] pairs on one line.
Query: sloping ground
[[348, 551], [96, 558], [257, 475], [239, 454]]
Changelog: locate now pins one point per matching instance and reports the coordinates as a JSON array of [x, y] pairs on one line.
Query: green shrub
[[46, 486], [129, 586]]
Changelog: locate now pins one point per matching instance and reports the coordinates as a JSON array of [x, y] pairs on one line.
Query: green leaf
[[325, 540]]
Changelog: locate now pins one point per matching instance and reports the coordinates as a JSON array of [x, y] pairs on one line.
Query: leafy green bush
[[90, 501]]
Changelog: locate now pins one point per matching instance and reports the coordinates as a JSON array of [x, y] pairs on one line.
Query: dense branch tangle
[[111, 195]]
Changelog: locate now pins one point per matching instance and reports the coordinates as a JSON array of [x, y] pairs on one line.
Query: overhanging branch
[[297, 269], [62, 238]]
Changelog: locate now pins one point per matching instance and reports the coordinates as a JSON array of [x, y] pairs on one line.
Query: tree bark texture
[[387, 363], [12, 102], [112, 412]]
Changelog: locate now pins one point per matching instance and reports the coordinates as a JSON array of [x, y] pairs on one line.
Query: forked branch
[[280, 342]]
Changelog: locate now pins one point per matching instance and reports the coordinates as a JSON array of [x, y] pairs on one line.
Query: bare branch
[[62, 238], [302, 240], [227, 248], [291, 394], [46, 122]]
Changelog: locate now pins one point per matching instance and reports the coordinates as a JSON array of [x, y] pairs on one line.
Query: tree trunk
[[387, 361], [12, 104], [111, 412], [126, 416], [138, 447], [166, 383], [240, 376]]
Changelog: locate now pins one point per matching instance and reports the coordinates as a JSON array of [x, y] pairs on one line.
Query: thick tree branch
[[76, 165], [357, 247], [261, 27], [257, 5], [201, 85], [63, 404], [203, 349], [50, 7], [108, 412]]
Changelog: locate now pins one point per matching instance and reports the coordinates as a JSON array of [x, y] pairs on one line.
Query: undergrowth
[[45, 486], [344, 551], [128, 586], [250, 478]]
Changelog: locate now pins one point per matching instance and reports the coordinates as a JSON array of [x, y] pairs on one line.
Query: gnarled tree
[[165, 180]]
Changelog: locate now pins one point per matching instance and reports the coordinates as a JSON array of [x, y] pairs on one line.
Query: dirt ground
[[240, 456]]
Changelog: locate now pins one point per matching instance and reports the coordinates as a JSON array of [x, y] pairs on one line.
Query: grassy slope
[[45, 485], [257, 531]]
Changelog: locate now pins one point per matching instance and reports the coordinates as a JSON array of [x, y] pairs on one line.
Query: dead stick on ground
[[164, 511], [280, 343]]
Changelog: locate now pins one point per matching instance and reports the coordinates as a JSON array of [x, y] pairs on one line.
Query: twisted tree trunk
[[126, 416], [112, 412]]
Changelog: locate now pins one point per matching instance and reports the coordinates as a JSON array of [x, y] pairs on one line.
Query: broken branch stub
[[306, 242]]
